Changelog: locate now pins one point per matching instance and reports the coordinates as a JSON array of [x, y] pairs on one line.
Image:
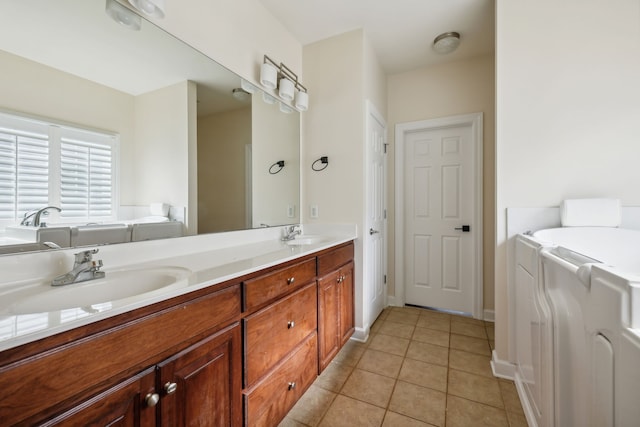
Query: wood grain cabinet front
[[274, 331], [269, 400]]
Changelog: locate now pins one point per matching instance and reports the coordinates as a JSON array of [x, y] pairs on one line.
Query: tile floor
[[418, 368]]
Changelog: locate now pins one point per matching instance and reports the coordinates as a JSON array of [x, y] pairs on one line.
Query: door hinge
[[385, 278], [385, 147], [385, 214]]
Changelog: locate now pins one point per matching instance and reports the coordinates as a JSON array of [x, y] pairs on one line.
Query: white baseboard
[[360, 335], [502, 368], [489, 315], [524, 400], [391, 301]]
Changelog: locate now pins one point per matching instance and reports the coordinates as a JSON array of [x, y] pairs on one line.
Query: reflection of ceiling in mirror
[[77, 36]]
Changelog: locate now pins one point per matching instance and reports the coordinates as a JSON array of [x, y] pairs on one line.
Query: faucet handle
[[85, 256]]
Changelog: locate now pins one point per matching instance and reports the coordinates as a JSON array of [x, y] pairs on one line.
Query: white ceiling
[[401, 31]]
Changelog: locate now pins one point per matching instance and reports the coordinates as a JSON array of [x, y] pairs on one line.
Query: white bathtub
[[579, 316]]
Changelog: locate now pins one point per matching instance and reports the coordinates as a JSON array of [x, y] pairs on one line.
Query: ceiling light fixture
[[152, 8], [274, 76], [241, 94], [122, 15], [446, 42]]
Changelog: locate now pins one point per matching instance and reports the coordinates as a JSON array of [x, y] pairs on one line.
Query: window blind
[[44, 164]]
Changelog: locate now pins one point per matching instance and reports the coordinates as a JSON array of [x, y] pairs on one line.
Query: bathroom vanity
[[230, 349]]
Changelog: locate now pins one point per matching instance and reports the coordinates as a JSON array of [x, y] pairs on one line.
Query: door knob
[[372, 231], [464, 228]]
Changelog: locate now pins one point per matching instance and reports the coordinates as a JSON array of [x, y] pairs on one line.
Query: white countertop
[[211, 259]]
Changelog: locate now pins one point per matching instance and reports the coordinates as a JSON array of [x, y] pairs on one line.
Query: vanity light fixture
[[122, 15], [241, 94], [446, 42], [279, 76], [248, 87], [285, 108], [152, 8]]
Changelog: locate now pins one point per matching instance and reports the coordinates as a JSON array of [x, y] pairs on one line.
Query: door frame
[[401, 130]]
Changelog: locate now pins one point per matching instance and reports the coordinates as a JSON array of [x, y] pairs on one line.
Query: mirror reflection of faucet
[[33, 218], [84, 268]]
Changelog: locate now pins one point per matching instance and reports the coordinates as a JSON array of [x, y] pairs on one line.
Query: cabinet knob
[[290, 280], [152, 399], [340, 279], [291, 324], [170, 387], [292, 386]]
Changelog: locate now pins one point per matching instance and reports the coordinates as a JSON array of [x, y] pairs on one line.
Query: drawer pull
[[292, 386], [291, 324], [290, 280], [152, 399], [170, 387]]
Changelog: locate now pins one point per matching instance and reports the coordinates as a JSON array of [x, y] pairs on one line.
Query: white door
[[375, 232], [440, 229]]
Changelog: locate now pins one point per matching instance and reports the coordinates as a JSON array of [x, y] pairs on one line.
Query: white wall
[[162, 136], [334, 127], [568, 108], [31, 88], [235, 33], [453, 88]]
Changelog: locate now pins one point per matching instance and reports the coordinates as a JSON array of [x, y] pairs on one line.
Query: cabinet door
[[347, 325], [201, 386], [121, 405], [329, 332]]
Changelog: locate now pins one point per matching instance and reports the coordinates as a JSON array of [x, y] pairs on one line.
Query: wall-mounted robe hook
[[279, 164], [320, 164]]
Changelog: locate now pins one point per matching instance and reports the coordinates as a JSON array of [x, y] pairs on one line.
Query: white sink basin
[[40, 296], [306, 239]]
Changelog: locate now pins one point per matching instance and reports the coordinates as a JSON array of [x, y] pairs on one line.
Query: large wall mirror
[[184, 139]]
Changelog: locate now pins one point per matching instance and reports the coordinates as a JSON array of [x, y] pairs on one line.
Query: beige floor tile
[[492, 345], [389, 344], [475, 387], [312, 406], [382, 363], [510, 397], [369, 387], [405, 317], [333, 377], [469, 330], [345, 411], [431, 336], [429, 353], [417, 402], [470, 362], [468, 320], [490, 332], [350, 353], [376, 326], [438, 323], [391, 419], [396, 329], [470, 344], [424, 374], [432, 314], [517, 420], [464, 413], [289, 422]]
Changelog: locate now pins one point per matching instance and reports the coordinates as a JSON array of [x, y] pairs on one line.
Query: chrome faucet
[[291, 232], [32, 218], [84, 268]]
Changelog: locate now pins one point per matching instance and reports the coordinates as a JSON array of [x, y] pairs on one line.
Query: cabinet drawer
[[271, 286], [274, 331], [270, 400], [334, 259]]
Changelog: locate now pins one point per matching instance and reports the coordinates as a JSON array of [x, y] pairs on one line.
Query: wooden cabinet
[[122, 405], [236, 353], [202, 385], [335, 303]]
